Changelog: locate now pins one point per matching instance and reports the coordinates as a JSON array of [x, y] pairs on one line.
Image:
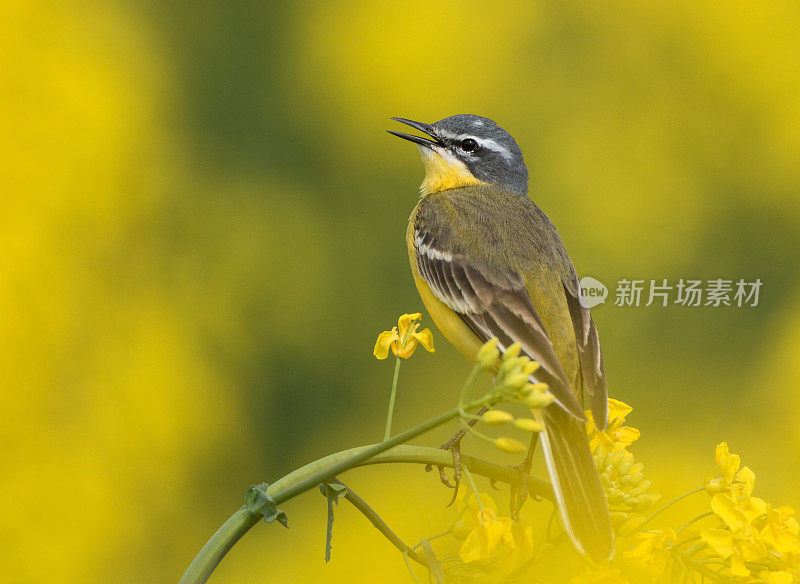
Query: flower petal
[[627, 435], [726, 509], [738, 567], [406, 350], [744, 481], [404, 322], [385, 339], [618, 409], [720, 540], [425, 338]]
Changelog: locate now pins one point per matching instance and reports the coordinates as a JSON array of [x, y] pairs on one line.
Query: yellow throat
[[444, 171]]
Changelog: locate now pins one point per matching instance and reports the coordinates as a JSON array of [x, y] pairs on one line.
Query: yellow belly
[[447, 321]]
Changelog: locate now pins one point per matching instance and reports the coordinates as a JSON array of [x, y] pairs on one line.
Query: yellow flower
[[626, 488], [615, 436], [651, 554], [404, 338], [740, 541], [493, 545], [490, 532], [727, 476], [780, 529], [779, 577], [468, 512]]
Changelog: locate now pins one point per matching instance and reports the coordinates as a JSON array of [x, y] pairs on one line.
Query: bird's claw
[[453, 446]]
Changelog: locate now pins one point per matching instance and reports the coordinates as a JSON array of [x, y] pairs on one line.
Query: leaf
[[259, 502], [433, 562], [333, 492]]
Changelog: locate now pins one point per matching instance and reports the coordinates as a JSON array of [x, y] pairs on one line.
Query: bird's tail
[[576, 483]]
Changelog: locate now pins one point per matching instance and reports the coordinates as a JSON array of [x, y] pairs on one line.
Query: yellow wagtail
[[489, 263]]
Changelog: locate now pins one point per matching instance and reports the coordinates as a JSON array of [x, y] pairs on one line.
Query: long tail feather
[[580, 496]]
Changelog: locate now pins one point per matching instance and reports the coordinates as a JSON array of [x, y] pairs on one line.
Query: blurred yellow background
[[203, 232]]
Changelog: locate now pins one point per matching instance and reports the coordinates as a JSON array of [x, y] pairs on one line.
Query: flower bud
[[528, 425], [530, 368], [538, 400], [633, 478], [644, 502], [625, 466], [512, 364], [618, 518], [515, 380], [615, 496], [496, 418], [488, 354], [510, 445], [512, 351]]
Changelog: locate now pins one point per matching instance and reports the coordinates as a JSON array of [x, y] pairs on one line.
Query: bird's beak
[[422, 127]]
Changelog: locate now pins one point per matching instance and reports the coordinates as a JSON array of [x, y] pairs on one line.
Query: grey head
[[489, 152]]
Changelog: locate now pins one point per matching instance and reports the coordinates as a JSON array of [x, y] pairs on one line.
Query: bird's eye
[[468, 145]]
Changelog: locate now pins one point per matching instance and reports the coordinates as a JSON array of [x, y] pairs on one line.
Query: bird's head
[[465, 150]]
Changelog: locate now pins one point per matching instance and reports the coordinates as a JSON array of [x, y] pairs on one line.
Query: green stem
[[694, 520], [469, 385], [410, 569], [318, 471], [670, 504], [474, 432], [388, 431], [220, 544], [708, 573], [381, 525], [433, 537], [472, 484]]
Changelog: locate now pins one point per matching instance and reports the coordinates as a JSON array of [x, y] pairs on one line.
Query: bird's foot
[[454, 446]]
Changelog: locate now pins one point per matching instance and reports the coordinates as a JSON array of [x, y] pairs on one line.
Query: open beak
[[422, 127]]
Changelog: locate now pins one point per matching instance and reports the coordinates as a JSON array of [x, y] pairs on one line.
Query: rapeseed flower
[[404, 338], [727, 477], [493, 546]]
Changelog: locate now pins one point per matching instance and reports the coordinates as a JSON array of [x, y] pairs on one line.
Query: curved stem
[[694, 520], [670, 504], [473, 486], [320, 470], [220, 543], [240, 522], [381, 525]]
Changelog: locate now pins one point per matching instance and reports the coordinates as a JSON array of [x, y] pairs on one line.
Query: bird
[[487, 262]]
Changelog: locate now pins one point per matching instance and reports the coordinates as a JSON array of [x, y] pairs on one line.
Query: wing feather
[[494, 302], [588, 341]]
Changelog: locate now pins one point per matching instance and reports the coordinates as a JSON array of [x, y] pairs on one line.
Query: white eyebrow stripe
[[492, 145], [487, 143]]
